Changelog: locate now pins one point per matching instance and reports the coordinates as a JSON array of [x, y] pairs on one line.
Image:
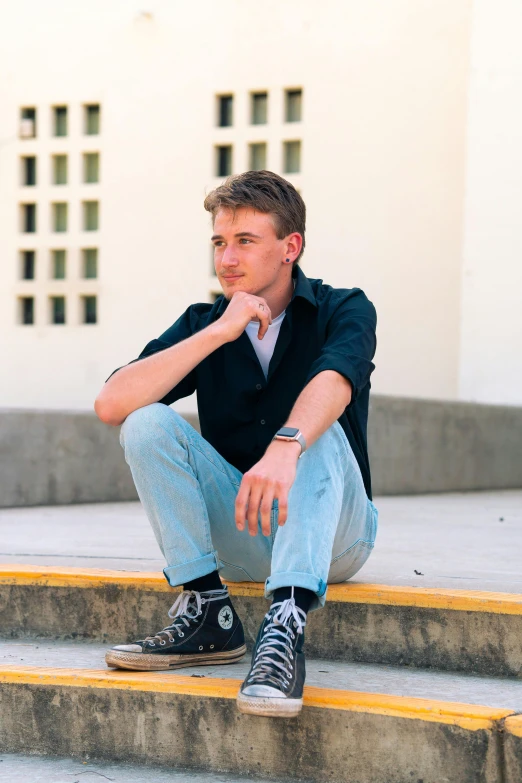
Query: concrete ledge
[[176, 720], [451, 630], [418, 446], [513, 749], [415, 446]]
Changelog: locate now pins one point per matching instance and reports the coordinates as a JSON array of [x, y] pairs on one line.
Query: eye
[[244, 239], [219, 243]]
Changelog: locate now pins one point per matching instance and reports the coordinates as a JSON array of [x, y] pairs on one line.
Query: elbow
[[107, 413]]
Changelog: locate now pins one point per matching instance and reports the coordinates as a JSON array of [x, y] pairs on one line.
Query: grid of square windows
[[59, 216], [257, 152]]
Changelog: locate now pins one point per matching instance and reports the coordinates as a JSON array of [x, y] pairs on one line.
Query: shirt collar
[[302, 288]]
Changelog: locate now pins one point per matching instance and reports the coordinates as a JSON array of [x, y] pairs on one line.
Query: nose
[[228, 259]]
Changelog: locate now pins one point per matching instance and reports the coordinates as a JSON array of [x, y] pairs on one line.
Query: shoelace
[[278, 631], [181, 613]]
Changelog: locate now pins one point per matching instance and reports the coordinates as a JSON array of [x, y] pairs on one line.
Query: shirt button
[[258, 386], [262, 421]]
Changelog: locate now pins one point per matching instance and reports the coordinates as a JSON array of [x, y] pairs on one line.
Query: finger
[[282, 503], [266, 510], [253, 508], [241, 503], [265, 320]]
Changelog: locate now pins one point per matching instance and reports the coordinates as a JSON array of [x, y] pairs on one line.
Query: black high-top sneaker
[[274, 684], [205, 630]]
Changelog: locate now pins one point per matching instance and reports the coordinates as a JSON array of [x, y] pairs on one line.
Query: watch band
[[299, 437]]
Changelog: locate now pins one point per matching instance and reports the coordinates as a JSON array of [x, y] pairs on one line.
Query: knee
[[147, 425]]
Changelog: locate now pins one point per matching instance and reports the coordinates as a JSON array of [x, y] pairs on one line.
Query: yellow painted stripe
[[383, 595], [514, 726], [468, 716]]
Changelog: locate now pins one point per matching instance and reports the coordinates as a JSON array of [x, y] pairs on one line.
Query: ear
[[293, 245]]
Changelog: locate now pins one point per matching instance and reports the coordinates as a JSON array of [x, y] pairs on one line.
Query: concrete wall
[[416, 446], [383, 170], [491, 349]]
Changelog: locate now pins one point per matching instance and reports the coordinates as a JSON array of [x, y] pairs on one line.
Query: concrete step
[[447, 629], [360, 724], [38, 769]]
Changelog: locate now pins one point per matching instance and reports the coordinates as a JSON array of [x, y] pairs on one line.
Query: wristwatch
[[291, 433]]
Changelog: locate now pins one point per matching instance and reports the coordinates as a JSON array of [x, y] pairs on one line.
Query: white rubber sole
[[269, 707], [146, 662]]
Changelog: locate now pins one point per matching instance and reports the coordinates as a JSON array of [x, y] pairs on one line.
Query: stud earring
[[287, 260]]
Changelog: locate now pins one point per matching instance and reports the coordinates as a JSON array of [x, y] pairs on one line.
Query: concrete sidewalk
[[466, 540]]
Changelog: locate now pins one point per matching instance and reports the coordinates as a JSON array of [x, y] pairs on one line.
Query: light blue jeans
[[188, 491]]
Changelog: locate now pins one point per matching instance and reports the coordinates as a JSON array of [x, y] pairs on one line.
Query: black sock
[[203, 583], [303, 597]]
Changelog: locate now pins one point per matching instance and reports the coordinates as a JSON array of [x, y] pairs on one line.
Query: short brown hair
[[266, 192]]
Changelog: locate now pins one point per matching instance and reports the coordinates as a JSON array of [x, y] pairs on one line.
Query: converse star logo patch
[[225, 618]]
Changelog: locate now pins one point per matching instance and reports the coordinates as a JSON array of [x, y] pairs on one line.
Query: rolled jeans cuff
[[178, 575], [298, 579]]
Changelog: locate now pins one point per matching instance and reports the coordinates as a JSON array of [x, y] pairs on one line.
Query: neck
[[278, 295]]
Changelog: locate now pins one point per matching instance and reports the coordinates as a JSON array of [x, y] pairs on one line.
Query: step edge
[[359, 593], [469, 716], [513, 725]]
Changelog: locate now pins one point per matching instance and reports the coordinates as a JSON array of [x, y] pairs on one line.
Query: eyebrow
[[240, 234]]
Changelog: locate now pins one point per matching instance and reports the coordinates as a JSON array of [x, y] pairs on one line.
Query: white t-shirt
[[265, 348]]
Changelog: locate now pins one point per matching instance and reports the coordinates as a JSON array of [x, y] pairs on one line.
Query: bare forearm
[[320, 404], [149, 380]]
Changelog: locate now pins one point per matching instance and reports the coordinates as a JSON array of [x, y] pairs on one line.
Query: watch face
[[288, 432]]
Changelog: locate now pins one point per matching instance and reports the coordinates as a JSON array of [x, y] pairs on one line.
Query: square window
[[259, 115], [60, 216], [92, 119], [29, 218], [27, 264], [90, 315], [292, 157], [225, 110], [224, 161], [57, 304], [257, 156], [91, 167], [29, 170], [58, 264], [60, 120], [90, 263], [60, 169], [26, 310], [90, 215], [293, 108], [27, 122]]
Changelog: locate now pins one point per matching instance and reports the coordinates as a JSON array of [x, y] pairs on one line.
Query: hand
[[242, 309], [270, 478]]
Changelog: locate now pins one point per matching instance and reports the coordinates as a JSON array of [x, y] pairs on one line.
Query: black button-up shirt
[[325, 328]]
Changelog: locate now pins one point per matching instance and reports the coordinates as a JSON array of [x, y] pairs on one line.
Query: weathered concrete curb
[[169, 719], [513, 749], [451, 630], [415, 446]]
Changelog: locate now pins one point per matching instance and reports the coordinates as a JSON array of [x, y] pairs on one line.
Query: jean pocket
[[346, 565], [233, 573]]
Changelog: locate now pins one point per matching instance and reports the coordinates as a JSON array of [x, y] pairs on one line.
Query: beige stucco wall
[[384, 151], [491, 345]]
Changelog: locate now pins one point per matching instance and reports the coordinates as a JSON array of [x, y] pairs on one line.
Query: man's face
[[248, 256]]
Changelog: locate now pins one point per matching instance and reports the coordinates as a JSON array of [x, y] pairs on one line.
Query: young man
[[277, 486]]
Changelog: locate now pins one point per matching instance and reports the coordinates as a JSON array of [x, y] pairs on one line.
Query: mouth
[[231, 278]]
